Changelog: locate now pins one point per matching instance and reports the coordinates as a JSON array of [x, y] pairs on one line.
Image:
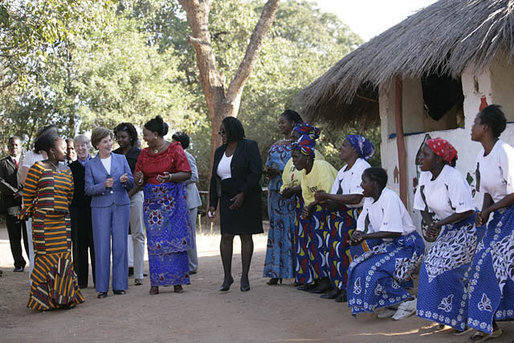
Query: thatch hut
[[427, 75]]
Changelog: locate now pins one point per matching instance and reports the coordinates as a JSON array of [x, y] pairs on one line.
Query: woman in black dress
[[236, 173]]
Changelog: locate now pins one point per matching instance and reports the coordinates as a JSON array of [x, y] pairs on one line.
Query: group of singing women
[[347, 235]]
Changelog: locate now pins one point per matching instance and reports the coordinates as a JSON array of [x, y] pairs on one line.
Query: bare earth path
[[202, 314]]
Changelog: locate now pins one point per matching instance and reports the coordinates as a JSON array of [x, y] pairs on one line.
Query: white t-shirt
[[107, 163], [387, 214], [446, 195], [495, 172], [224, 167], [349, 181]]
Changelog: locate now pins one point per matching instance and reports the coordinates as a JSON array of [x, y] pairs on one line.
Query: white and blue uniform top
[[449, 193], [387, 214], [494, 173]]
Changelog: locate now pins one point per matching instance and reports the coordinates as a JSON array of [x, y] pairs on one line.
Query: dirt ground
[[202, 313]]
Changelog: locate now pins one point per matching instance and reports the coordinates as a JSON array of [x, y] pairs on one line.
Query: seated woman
[[375, 278], [491, 289], [444, 199], [343, 203], [317, 175]]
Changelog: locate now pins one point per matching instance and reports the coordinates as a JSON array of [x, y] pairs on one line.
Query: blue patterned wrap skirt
[[491, 286], [341, 225], [444, 275], [279, 262], [376, 278], [168, 232]]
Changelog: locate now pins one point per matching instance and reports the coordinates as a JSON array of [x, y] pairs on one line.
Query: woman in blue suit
[[108, 177]]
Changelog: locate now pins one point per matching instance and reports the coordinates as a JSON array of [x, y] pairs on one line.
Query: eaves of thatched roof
[[442, 38]]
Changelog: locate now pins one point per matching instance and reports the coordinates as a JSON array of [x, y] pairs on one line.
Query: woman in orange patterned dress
[[47, 195]]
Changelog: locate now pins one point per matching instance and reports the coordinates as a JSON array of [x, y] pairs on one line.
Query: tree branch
[[253, 49]]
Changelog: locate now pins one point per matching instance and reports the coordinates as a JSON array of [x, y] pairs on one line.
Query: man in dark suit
[[9, 187]]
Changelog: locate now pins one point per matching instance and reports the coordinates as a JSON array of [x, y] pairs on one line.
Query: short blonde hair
[[100, 133]]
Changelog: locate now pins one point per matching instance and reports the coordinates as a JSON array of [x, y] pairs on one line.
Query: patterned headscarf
[[362, 145], [306, 129], [443, 148], [305, 145]]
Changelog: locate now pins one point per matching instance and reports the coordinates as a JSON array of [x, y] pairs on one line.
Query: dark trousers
[[16, 229], [82, 238]]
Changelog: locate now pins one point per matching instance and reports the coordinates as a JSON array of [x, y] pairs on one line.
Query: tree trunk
[[222, 104]]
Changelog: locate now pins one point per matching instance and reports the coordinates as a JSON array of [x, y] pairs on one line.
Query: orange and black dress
[[47, 195]]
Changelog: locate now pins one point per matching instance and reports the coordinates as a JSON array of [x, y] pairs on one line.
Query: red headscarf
[[442, 148]]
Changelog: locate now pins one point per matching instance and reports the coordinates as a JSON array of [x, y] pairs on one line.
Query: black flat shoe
[[120, 292], [274, 281], [341, 298], [331, 295], [226, 285], [307, 288], [245, 286], [19, 269], [102, 295]]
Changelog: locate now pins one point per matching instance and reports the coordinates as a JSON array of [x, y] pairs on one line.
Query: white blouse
[[449, 193], [387, 214], [107, 164], [494, 173], [349, 181], [224, 167]]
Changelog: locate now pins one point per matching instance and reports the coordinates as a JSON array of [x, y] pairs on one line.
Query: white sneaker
[[406, 309], [386, 313]]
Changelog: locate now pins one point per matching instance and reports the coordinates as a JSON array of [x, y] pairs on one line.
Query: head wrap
[[305, 145], [442, 148], [306, 129], [362, 145]]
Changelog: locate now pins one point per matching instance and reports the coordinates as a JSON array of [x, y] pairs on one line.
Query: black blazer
[[80, 198], [245, 167], [9, 181]]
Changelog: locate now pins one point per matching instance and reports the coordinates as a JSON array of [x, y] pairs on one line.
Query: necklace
[[156, 150]]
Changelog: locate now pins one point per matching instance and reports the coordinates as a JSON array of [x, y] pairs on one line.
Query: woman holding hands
[[108, 178], [491, 288], [163, 168], [444, 199], [343, 203]]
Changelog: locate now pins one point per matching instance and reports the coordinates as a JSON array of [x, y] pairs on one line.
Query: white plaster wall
[[474, 87]]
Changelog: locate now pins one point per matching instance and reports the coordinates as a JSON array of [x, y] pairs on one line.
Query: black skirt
[[245, 220]]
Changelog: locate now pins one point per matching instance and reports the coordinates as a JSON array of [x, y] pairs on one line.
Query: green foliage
[[84, 63]]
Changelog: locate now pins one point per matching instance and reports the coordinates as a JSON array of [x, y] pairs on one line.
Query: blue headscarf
[[362, 145], [306, 129], [305, 145]]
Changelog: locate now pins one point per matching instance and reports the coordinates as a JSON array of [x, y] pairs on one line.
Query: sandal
[[461, 333], [154, 290], [178, 289], [138, 282], [479, 336]]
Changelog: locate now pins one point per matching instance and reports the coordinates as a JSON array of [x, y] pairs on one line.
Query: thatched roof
[[442, 38]]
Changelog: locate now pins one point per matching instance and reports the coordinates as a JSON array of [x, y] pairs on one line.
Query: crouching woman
[[377, 278]]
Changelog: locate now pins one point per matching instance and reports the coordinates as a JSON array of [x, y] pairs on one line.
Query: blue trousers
[[112, 221]]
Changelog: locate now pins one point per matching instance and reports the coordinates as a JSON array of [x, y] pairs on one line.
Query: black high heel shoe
[[245, 285], [274, 281], [226, 284]]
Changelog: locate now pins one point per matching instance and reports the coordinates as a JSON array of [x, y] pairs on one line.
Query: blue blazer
[[95, 181]]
